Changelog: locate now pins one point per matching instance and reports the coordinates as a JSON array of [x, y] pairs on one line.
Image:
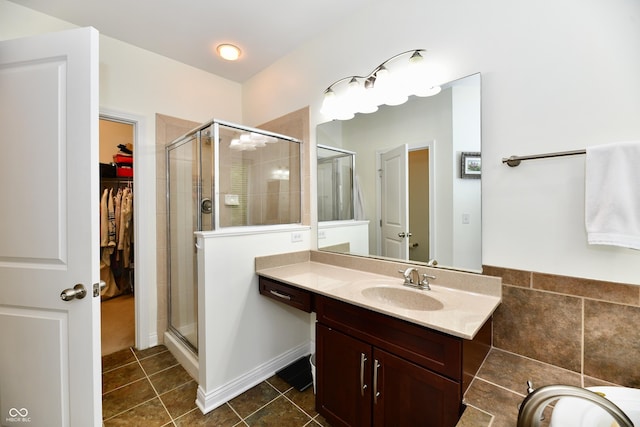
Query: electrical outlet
[[321, 234], [296, 237], [466, 218]]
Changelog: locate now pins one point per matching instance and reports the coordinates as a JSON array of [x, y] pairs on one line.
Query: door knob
[[403, 234], [77, 292]]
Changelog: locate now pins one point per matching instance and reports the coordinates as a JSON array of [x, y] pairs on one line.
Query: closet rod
[[514, 161]]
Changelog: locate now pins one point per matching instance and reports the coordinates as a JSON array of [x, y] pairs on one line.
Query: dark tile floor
[[150, 388]]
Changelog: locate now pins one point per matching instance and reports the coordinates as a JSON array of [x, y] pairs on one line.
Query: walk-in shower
[[222, 175]]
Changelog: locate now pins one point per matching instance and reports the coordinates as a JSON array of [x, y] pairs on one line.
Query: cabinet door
[[343, 378], [406, 394]]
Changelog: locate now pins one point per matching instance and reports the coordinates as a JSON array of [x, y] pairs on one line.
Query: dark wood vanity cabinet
[[362, 385], [376, 370], [343, 385]]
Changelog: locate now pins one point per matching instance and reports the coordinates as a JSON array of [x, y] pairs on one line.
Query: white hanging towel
[[612, 194]]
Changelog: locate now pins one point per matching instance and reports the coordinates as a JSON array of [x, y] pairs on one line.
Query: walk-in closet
[[117, 245]]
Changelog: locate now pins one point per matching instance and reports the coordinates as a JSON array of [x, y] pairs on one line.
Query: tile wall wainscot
[[586, 326]]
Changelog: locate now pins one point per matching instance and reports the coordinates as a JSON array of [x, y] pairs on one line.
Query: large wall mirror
[[415, 192]]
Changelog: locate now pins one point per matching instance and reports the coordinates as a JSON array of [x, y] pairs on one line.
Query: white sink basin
[[402, 298], [574, 412]]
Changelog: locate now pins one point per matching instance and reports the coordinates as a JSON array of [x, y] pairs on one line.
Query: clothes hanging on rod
[[116, 237]]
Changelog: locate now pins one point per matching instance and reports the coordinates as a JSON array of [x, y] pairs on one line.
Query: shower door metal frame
[[343, 153], [185, 139], [215, 197]]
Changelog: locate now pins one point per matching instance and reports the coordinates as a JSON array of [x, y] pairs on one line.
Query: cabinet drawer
[[428, 348], [290, 295]]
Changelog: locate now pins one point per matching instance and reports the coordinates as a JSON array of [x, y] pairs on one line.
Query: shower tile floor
[[150, 388]]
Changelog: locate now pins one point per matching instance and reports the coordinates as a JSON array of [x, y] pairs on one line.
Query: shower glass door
[[184, 189]]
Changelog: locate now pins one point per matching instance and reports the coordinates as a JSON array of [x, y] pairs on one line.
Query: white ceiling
[[189, 30]]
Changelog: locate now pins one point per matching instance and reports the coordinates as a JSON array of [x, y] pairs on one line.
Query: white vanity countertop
[[462, 314]]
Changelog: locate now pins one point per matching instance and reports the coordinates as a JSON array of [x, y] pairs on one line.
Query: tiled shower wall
[[587, 326]]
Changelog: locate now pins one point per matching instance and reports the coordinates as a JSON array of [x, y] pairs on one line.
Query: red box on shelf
[[124, 172], [120, 159]]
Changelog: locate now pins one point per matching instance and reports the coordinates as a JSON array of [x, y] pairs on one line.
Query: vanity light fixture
[[390, 83], [228, 51]]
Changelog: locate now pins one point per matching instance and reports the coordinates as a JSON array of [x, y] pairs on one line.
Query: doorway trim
[[144, 251]]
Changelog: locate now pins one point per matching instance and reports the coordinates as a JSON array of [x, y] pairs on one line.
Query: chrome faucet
[[412, 278], [531, 408]]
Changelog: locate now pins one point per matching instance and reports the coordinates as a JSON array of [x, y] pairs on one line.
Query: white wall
[[467, 201], [140, 83], [243, 337], [555, 76], [338, 233]]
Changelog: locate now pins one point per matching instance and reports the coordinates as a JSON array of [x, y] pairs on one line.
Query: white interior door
[[394, 203], [50, 373]]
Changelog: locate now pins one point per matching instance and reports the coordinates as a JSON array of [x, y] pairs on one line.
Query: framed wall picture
[[470, 165]]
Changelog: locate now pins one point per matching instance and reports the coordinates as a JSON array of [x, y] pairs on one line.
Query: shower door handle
[[206, 206]]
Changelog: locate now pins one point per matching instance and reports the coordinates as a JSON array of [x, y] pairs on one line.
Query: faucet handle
[[406, 274], [425, 279]]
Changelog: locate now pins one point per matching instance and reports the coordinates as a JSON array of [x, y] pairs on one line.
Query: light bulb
[[388, 88], [228, 52], [329, 103], [334, 108]]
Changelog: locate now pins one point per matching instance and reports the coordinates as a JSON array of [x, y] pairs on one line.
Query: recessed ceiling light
[[228, 52]]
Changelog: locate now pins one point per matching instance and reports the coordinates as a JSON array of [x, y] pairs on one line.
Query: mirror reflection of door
[[404, 203], [394, 199]]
